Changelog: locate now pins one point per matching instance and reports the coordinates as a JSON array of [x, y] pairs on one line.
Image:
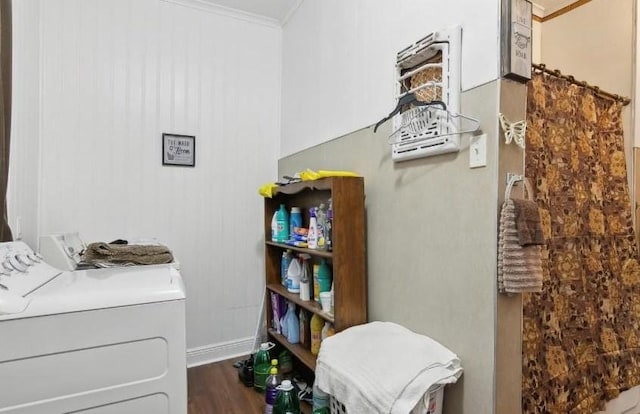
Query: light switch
[[478, 151]]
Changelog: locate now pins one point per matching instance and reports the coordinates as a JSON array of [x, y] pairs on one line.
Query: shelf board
[[295, 188], [310, 305], [310, 252], [303, 354]]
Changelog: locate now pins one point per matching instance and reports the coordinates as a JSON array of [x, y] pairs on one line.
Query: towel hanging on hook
[[514, 131]]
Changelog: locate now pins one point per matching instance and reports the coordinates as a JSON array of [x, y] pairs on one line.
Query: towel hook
[[513, 179]]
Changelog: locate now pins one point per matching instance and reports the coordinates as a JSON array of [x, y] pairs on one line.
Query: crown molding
[[538, 10], [292, 10], [209, 7]]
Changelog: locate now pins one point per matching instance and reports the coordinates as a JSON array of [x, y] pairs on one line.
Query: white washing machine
[[108, 341]]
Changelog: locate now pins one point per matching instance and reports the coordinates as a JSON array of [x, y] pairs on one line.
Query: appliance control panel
[[22, 271]]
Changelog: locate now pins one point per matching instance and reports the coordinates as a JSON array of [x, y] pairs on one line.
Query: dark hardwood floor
[[215, 389]]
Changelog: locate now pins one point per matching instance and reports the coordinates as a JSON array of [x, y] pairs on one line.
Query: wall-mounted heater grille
[[430, 69]]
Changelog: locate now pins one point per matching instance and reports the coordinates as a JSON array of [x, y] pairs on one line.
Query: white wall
[[339, 57], [593, 42], [118, 73], [536, 34], [24, 165]]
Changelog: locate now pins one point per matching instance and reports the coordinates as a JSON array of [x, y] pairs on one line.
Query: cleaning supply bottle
[[312, 234], [305, 329], [328, 232], [327, 331], [287, 400], [305, 278], [316, 283], [286, 362], [321, 223], [295, 220], [261, 365], [284, 266], [293, 324], [271, 392], [316, 333], [332, 299], [293, 276], [274, 227], [324, 277], [283, 325], [320, 398], [282, 223]]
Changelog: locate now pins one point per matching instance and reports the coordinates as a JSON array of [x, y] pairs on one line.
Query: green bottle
[[324, 277], [261, 366], [287, 400]]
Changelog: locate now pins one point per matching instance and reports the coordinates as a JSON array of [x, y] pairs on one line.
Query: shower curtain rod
[[543, 68]]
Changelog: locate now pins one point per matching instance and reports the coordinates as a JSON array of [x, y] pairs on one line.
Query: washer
[[108, 341]]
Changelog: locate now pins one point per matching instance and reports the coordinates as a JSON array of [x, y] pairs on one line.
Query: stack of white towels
[[382, 367]]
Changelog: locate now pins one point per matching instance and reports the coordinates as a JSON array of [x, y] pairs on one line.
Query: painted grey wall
[[432, 242]]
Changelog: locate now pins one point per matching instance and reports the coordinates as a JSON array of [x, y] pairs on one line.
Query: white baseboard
[[219, 352]]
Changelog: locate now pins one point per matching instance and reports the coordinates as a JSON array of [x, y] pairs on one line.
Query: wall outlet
[[478, 151]]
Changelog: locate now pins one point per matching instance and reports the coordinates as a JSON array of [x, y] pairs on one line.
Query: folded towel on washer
[[350, 368], [519, 267], [97, 253], [528, 222]]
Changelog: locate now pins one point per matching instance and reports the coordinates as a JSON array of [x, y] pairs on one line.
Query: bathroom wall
[[536, 45], [338, 59], [24, 163], [594, 43], [113, 76], [431, 242]]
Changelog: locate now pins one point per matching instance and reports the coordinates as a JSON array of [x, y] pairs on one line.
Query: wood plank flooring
[[216, 389]]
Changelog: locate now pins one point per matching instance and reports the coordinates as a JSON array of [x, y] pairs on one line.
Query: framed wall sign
[[516, 23], [179, 150]]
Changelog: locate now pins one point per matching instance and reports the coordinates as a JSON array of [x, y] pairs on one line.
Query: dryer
[[108, 341]]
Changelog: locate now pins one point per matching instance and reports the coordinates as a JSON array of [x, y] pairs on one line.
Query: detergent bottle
[[316, 333], [287, 256], [312, 234], [324, 278], [261, 365], [294, 272], [287, 400], [271, 392], [282, 224], [306, 279], [293, 324]]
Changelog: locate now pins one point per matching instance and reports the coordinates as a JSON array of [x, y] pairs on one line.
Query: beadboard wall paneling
[[339, 59], [116, 75], [24, 169]]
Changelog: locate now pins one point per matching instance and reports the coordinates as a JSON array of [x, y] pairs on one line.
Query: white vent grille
[[430, 69]]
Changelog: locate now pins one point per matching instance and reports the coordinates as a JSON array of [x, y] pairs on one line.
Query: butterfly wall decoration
[[514, 131]]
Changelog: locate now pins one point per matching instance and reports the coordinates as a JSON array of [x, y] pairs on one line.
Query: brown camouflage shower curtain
[[581, 334]]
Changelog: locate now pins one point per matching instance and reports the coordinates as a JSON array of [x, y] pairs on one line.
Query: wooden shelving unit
[[347, 259], [309, 305]]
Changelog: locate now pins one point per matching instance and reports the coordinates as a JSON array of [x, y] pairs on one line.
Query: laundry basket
[[431, 403]]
